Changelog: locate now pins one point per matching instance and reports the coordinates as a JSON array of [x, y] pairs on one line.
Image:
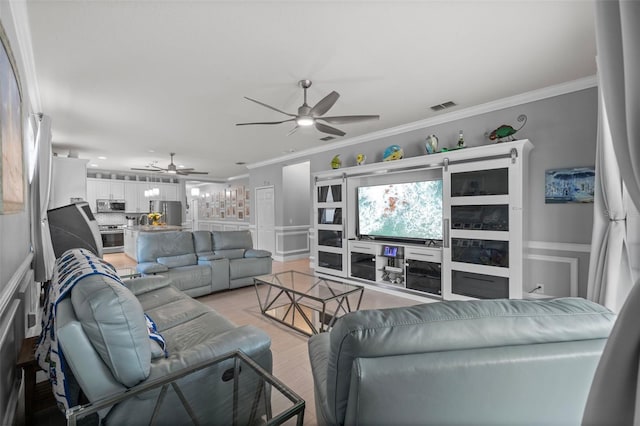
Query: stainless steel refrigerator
[[171, 211]]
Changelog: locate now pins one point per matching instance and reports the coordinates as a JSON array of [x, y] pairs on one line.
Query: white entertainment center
[[478, 254]]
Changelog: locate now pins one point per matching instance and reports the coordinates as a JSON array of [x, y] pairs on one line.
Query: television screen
[[401, 211]]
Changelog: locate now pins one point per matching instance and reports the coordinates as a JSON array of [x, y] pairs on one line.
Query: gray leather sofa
[[202, 262], [477, 362], [103, 334]]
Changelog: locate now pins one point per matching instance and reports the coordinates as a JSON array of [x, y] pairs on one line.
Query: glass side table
[[271, 401], [128, 272]]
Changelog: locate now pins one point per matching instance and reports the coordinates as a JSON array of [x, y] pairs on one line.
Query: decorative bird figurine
[[336, 163], [506, 131], [360, 159], [393, 152], [431, 144]]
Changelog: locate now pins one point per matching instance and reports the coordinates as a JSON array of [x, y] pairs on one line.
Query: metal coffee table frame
[[295, 298]]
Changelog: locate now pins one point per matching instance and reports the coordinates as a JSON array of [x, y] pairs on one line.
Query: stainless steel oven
[[112, 238]]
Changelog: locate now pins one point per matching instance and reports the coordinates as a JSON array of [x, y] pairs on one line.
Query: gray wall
[[563, 131], [15, 273]]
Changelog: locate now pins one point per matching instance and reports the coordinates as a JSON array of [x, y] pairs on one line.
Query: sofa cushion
[[224, 240], [202, 241], [257, 253], [179, 260], [114, 322]]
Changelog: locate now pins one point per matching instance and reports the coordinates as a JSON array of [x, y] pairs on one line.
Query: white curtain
[[614, 397], [612, 271], [610, 277], [44, 258]]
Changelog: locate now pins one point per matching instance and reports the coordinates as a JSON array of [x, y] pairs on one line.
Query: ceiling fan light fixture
[[304, 121]]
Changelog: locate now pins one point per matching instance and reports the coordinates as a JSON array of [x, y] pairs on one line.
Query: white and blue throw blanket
[[70, 268]]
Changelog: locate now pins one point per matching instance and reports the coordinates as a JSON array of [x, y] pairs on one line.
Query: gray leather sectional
[[476, 362], [103, 334], [202, 262]]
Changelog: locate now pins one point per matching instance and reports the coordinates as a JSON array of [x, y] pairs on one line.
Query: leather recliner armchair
[[473, 362]]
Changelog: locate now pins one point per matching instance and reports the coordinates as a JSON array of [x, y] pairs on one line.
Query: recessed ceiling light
[[181, 166], [94, 165], [151, 150], [102, 157]]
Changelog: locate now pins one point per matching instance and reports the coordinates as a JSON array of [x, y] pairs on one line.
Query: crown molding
[[523, 98], [20, 19]]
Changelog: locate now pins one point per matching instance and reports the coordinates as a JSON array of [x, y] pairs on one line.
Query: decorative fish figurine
[[506, 131], [336, 163], [360, 159]]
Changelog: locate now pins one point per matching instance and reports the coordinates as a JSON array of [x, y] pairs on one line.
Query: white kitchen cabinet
[[69, 181], [169, 192], [108, 189], [130, 246], [131, 197]]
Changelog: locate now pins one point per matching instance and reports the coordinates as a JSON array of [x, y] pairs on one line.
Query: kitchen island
[[131, 236]]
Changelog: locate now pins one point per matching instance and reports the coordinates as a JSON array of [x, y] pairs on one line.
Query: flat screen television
[[409, 211]]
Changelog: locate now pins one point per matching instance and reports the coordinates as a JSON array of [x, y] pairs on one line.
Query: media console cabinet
[[480, 255]]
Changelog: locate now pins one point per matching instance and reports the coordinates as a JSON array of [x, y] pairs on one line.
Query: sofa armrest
[[151, 268], [146, 284], [257, 253], [319, 348], [209, 256]]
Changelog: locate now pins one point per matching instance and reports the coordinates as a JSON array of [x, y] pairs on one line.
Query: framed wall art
[[13, 194], [574, 185]]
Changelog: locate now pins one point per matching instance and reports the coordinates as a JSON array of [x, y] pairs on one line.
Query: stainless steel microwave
[[105, 206]]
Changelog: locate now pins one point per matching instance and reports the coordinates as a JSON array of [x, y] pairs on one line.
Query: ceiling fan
[[311, 116], [171, 169]]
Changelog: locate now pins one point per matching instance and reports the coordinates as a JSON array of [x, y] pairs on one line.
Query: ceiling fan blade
[[193, 173], [264, 122], [270, 107], [148, 169], [325, 104], [346, 119], [292, 131], [328, 129]]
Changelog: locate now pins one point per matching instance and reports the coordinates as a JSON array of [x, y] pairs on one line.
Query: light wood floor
[[290, 355]]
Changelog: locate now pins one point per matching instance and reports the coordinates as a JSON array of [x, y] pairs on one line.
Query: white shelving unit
[[483, 215], [329, 218]]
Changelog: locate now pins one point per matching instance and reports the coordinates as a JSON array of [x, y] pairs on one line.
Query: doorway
[[265, 219]]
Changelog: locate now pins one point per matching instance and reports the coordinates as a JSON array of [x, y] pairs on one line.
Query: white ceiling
[[121, 79]]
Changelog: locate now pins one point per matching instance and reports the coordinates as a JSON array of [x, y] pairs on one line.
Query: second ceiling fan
[[312, 116]]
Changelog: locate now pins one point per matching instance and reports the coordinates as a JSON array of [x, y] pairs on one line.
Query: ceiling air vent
[[442, 106], [327, 138]]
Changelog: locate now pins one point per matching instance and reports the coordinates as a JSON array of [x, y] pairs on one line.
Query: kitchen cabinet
[[131, 191], [103, 189], [69, 181], [130, 246]]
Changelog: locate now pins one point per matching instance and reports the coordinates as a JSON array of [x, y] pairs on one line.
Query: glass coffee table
[[304, 302]]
